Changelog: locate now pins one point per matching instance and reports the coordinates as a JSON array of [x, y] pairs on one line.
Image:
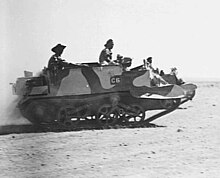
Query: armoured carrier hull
[[102, 95]]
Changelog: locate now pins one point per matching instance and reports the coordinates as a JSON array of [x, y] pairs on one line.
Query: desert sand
[[184, 143]]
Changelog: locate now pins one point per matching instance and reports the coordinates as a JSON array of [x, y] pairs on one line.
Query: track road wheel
[[135, 116], [107, 115], [170, 103], [84, 113], [64, 119]]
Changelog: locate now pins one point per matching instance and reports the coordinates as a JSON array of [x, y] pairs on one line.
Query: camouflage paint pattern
[[86, 80]]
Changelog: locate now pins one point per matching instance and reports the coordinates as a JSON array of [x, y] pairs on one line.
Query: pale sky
[[176, 33]]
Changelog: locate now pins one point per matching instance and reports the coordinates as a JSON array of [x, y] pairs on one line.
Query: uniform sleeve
[[51, 61]]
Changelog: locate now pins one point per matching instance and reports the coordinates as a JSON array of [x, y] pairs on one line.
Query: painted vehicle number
[[115, 80]]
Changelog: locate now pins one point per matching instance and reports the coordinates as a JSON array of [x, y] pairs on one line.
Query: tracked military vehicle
[[107, 95]]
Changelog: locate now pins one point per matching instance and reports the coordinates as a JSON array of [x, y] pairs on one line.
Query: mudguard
[[163, 92]]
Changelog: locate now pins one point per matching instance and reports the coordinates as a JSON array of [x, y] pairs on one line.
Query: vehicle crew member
[[56, 60], [105, 57]]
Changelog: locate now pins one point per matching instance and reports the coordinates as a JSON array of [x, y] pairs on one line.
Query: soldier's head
[[109, 44], [58, 49], [149, 60]]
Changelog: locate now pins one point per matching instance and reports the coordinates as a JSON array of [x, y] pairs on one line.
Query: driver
[[55, 59]]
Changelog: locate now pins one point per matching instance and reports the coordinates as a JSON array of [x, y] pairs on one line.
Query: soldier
[[105, 57], [162, 73], [149, 63], [55, 60]]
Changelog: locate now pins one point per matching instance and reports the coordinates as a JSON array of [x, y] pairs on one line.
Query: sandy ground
[[185, 143]]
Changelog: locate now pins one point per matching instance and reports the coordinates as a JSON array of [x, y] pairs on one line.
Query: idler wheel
[[64, 118], [107, 115], [135, 115], [170, 104], [38, 112]]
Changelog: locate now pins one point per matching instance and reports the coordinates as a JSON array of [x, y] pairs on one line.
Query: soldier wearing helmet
[[55, 60]]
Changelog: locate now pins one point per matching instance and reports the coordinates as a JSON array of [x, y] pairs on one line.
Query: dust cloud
[[10, 114]]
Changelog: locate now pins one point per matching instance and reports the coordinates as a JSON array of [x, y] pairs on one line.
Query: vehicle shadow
[[19, 129]]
